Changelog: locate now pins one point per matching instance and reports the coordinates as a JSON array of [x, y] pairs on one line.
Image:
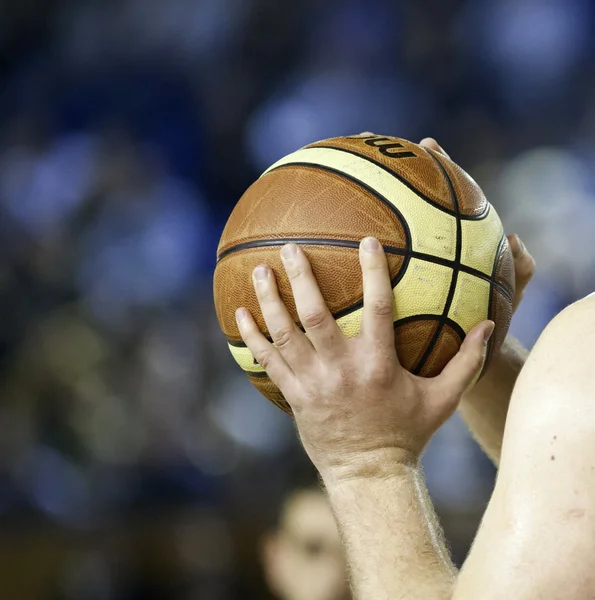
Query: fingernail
[[289, 251], [261, 273], [241, 314], [370, 244], [487, 332], [521, 245]]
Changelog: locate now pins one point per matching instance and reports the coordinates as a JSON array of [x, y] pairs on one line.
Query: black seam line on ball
[[452, 324], [456, 267], [462, 268], [236, 344], [445, 262], [255, 373], [456, 327], [404, 181], [288, 240], [414, 318]]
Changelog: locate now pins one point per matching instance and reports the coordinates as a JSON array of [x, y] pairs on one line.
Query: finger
[[366, 134], [379, 311], [432, 144], [319, 324], [286, 335], [464, 369], [524, 268], [267, 356]]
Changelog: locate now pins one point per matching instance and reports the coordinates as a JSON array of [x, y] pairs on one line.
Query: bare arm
[[393, 541], [485, 407], [537, 539], [364, 421]]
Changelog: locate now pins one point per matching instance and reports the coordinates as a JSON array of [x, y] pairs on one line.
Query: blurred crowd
[[135, 460]]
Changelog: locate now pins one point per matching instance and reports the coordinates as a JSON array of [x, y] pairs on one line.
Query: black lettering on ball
[[386, 149]]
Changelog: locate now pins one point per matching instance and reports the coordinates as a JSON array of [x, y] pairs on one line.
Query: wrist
[[377, 465]]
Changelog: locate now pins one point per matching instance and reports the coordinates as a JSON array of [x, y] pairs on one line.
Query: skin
[[364, 422], [537, 538], [303, 558]]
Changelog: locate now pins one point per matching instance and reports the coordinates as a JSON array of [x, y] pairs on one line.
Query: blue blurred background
[[135, 460]]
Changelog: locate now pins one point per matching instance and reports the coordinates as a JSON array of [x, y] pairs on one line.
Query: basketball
[[450, 262]]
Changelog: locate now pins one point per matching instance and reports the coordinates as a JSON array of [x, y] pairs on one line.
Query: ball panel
[[398, 192], [480, 242], [351, 323], [420, 170], [471, 199], [445, 348], [336, 268], [423, 289], [412, 339], [306, 202], [470, 302], [432, 231]]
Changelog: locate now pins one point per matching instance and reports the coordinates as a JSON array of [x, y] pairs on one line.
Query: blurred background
[[136, 462]]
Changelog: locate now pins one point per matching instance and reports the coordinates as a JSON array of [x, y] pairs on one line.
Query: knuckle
[[380, 372], [375, 262], [263, 358], [282, 336], [264, 293], [313, 319], [383, 307], [296, 270]]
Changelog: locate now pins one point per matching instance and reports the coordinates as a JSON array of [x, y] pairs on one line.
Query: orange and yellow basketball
[[450, 263]]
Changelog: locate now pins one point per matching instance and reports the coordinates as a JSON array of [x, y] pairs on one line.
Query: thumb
[[463, 371]]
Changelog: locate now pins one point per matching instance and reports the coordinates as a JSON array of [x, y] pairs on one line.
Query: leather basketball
[[450, 262]]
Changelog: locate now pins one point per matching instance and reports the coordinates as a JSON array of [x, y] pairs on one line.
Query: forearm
[[393, 542], [485, 407]]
